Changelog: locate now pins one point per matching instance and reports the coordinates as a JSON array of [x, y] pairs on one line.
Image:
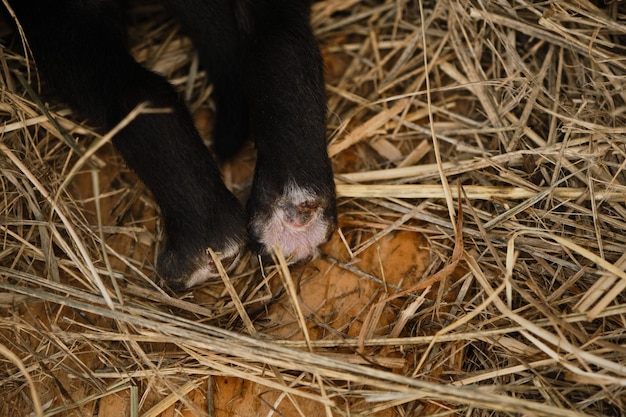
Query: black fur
[[268, 83]]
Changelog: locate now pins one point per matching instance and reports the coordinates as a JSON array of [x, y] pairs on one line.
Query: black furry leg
[[217, 36], [292, 204], [79, 47]]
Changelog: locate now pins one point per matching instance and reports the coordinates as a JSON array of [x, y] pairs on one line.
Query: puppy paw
[[221, 226], [297, 220], [184, 267]]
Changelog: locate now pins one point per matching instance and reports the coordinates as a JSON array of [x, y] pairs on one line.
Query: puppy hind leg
[[216, 35], [292, 204], [80, 49]]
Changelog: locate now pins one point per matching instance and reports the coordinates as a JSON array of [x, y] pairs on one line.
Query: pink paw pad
[[297, 224]]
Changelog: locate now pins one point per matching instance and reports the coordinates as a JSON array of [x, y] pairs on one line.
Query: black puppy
[[266, 68]]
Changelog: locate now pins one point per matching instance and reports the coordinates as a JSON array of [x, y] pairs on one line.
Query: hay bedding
[[479, 266]]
